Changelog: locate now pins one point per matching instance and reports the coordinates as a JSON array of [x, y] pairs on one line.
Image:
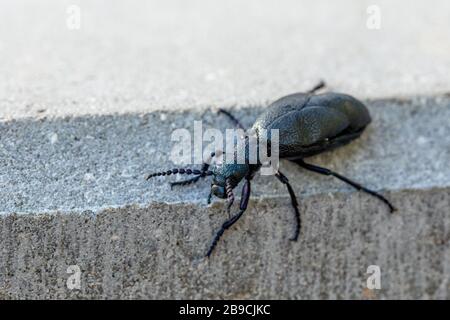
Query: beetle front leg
[[294, 202], [205, 167], [227, 224], [185, 182], [208, 200]]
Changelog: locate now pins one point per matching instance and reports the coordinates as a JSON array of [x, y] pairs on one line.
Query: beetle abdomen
[[355, 111], [311, 124]]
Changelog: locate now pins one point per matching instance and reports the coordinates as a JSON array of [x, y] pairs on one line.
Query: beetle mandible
[[308, 124]]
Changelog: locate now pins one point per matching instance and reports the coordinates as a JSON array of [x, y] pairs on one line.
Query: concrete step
[[73, 193]]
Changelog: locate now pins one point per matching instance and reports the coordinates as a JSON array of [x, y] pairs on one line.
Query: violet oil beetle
[[308, 124]]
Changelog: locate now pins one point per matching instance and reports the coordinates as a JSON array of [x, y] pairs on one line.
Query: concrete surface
[[148, 242], [85, 114], [156, 252], [89, 163], [139, 56]]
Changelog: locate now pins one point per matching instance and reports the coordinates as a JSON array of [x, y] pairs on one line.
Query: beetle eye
[[218, 191]]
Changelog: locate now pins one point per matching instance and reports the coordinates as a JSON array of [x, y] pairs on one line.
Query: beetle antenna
[[180, 171], [230, 195]]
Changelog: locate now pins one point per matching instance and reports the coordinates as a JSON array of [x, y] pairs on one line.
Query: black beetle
[[308, 124]]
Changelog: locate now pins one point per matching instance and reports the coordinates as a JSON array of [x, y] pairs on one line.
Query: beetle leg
[[232, 118], [208, 200], [227, 224], [205, 167], [318, 86], [354, 184], [185, 182], [294, 202]]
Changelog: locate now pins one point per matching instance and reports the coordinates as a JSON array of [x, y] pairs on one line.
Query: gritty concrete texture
[[86, 163], [73, 193], [157, 252], [136, 56], [86, 113]]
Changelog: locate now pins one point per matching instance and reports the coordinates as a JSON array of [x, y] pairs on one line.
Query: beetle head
[[227, 176]]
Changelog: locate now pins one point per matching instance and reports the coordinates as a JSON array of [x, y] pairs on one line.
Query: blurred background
[[85, 57]]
